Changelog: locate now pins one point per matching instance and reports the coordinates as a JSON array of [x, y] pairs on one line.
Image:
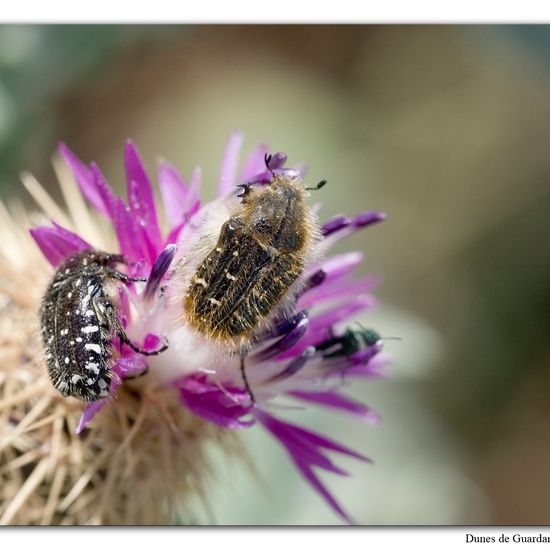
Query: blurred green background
[[445, 128]]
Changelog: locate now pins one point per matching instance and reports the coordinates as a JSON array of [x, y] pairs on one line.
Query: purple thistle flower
[[304, 358]]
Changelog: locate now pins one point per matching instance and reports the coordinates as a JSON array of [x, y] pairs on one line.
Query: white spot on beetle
[[93, 347], [94, 367], [89, 328]]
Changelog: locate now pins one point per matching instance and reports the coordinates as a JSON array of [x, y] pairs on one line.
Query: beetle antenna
[[322, 183]]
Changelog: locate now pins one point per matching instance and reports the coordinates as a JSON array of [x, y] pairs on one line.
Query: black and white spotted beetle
[[79, 320]]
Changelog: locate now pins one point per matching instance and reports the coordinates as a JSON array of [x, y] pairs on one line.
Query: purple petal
[[89, 412], [228, 171], [365, 355], [295, 365], [336, 267], [159, 269], [304, 448], [313, 480], [277, 161], [284, 327], [140, 195], [337, 291], [338, 401], [254, 164], [365, 219], [208, 401], [84, 179], [368, 218], [57, 243], [284, 343], [335, 224]]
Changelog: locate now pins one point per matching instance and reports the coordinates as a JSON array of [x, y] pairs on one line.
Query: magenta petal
[[123, 308], [228, 171], [338, 401], [173, 190], [129, 238], [208, 401], [174, 234], [140, 195], [105, 192], [152, 342], [313, 480], [304, 448], [57, 243], [254, 164], [84, 178], [180, 200], [129, 366], [149, 248], [89, 412]]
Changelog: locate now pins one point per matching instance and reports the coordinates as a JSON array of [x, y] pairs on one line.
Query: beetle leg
[[245, 379], [124, 339], [123, 277], [107, 311]]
